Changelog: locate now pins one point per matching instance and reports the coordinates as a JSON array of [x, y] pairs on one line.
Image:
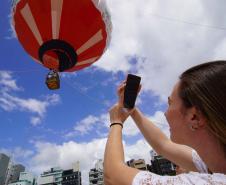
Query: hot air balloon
[[62, 35]]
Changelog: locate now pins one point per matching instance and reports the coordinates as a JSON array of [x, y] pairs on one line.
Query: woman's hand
[[118, 114], [121, 90]]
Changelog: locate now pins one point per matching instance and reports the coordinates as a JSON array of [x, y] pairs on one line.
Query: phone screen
[[131, 90]]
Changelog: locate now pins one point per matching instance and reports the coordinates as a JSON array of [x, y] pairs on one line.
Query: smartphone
[[131, 90]]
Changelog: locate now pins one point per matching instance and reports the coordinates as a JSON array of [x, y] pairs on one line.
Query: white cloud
[[11, 102], [31, 105], [7, 82], [53, 99], [35, 121], [17, 154], [92, 124], [12, 31], [49, 155], [220, 50], [6, 104], [89, 124], [138, 150], [86, 124], [129, 128], [160, 121], [39, 107], [164, 37], [64, 155]]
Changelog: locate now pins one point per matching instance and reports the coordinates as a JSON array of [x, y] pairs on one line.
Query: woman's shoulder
[[144, 177]]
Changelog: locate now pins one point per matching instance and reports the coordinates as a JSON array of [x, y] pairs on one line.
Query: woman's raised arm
[[178, 154]]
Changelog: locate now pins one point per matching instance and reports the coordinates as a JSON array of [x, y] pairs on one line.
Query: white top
[[198, 162], [200, 178]]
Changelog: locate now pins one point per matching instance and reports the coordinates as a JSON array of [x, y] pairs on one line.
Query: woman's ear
[[196, 119]]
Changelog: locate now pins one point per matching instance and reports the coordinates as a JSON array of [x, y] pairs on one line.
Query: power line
[[187, 22], [80, 91]]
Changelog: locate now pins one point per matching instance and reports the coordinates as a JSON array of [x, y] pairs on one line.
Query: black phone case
[[131, 90]]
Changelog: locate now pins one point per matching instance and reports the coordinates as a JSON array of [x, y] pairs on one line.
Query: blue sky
[[154, 39]]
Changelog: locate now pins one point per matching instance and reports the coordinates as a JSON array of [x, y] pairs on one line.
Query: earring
[[192, 127]]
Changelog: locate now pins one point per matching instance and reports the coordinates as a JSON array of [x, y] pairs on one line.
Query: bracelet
[[116, 124]]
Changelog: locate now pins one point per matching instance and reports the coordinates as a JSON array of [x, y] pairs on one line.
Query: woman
[[197, 119]]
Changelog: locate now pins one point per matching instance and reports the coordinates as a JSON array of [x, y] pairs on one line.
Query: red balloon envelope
[[63, 35]]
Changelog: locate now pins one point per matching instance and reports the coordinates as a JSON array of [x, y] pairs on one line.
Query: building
[[4, 162], [96, 174], [71, 177], [14, 173], [25, 178], [51, 177], [159, 165], [139, 164], [162, 166], [20, 183]]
